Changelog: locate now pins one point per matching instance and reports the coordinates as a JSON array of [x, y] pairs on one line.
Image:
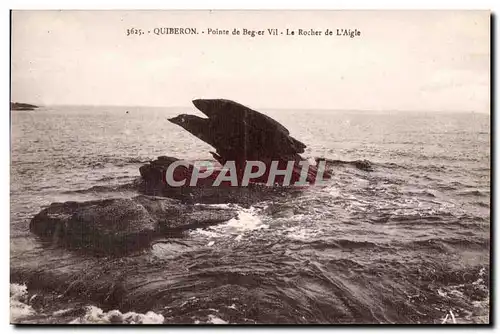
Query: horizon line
[[264, 108]]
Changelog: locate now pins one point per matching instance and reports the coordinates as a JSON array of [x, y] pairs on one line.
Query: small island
[[22, 106]]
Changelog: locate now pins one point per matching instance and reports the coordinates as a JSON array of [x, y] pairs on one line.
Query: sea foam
[[95, 315], [19, 308]]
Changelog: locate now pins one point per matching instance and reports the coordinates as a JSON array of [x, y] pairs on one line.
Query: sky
[[403, 60]]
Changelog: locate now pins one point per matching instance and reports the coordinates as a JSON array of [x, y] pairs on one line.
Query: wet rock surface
[[122, 224], [152, 184]]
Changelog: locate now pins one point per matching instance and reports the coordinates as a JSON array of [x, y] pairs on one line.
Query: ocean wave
[[112, 178], [117, 160], [300, 234], [343, 244], [19, 308], [482, 204], [213, 319], [474, 193], [104, 189], [248, 220], [451, 244], [95, 315], [422, 193]]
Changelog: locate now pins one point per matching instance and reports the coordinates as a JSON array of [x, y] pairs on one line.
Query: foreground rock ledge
[[122, 224]]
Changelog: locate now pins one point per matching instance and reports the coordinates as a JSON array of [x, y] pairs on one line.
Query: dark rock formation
[[153, 183], [122, 224], [22, 106], [241, 134]]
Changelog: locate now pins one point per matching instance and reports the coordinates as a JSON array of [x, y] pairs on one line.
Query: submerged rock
[[364, 165], [122, 224]]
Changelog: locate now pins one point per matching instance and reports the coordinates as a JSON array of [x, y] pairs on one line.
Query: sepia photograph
[[250, 167]]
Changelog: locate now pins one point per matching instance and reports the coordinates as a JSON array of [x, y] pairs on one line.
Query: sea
[[406, 241]]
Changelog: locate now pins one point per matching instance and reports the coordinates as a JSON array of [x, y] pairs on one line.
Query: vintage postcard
[[250, 167]]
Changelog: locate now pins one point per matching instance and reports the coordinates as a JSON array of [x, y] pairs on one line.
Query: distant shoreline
[[22, 106]]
